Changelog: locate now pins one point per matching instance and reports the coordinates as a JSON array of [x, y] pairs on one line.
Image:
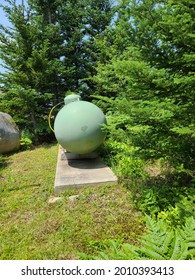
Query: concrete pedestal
[[74, 171]]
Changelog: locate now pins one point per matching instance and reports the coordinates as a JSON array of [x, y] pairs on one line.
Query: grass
[[33, 228]]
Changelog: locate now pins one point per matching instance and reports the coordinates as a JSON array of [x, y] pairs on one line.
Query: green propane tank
[[77, 126]]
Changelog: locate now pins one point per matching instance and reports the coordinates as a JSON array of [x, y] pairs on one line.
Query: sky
[[4, 21]]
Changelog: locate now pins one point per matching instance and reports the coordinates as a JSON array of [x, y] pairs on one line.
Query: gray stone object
[[9, 134]]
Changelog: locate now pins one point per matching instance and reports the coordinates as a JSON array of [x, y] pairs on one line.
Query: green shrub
[[160, 194], [175, 216], [26, 139], [121, 157], [130, 167]]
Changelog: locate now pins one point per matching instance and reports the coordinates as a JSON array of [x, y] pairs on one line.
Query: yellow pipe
[[49, 116]]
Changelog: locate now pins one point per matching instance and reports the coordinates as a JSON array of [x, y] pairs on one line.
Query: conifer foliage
[[47, 51], [147, 65]]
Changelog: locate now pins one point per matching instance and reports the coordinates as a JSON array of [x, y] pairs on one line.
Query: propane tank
[[78, 126]]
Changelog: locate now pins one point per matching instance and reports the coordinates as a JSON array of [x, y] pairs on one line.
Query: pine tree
[[148, 66], [47, 51], [20, 58]]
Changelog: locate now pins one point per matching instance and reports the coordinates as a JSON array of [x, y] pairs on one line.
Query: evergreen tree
[[47, 52], [149, 69], [79, 22], [25, 61]]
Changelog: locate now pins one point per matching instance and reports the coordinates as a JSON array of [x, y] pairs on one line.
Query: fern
[[159, 243], [178, 250], [187, 233], [155, 247]]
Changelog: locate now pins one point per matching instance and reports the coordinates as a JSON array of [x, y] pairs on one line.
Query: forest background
[[135, 59]]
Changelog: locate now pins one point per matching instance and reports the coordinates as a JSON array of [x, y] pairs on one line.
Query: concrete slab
[[79, 172], [68, 155]]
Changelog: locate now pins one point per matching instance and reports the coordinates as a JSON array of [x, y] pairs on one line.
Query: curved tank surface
[[78, 128], [71, 98]]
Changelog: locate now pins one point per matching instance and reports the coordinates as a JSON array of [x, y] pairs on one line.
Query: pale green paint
[[78, 127]]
